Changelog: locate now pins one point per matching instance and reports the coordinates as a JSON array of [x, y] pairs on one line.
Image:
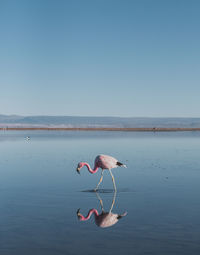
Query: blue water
[[40, 193]]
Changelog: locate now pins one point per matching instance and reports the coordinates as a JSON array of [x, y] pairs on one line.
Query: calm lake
[[40, 193]]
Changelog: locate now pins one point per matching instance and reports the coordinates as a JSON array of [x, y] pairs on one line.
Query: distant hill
[[120, 122]]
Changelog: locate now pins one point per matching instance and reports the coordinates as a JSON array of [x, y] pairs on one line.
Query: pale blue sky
[[100, 57]]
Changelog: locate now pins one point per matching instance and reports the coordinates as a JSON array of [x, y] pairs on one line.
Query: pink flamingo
[[105, 219], [103, 162]]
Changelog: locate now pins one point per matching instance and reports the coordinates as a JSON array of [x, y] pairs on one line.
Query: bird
[[103, 162], [104, 219]]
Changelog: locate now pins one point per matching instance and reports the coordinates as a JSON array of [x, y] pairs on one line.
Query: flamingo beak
[[78, 214], [78, 170]]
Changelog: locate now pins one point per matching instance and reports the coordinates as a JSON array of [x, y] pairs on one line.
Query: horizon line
[[100, 116]]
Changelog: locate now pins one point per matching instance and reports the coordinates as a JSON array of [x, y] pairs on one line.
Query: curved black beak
[[78, 214], [78, 170]]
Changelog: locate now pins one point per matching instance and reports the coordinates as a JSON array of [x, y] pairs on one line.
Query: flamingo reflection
[[104, 219]]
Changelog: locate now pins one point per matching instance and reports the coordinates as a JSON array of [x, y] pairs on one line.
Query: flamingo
[[103, 162], [104, 219]]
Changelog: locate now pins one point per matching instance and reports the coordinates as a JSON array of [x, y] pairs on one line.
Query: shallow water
[[40, 193]]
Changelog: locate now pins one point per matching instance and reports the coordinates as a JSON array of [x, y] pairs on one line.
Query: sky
[[128, 58]]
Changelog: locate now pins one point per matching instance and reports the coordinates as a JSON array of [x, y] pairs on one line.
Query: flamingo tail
[[121, 164]]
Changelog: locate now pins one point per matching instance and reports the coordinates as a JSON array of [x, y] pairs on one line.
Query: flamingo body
[[105, 162], [107, 219]]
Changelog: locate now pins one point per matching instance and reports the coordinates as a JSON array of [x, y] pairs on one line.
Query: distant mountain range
[[115, 122]]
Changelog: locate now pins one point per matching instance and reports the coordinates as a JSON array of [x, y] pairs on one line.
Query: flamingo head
[[80, 165], [79, 215]]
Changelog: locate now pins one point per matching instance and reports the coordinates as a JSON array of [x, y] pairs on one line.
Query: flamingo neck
[[92, 171], [82, 218]]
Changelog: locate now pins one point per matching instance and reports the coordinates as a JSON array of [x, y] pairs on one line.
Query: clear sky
[[100, 57]]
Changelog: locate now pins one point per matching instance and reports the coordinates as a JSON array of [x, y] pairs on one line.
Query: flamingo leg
[[100, 200], [113, 179], [113, 202], [99, 181]]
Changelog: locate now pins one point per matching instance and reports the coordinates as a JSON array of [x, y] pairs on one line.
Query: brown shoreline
[[102, 129]]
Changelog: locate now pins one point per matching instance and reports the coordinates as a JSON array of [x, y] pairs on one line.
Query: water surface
[[40, 193]]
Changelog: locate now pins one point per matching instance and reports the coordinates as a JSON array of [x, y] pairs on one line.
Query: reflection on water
[[104, 219], [40, 193]]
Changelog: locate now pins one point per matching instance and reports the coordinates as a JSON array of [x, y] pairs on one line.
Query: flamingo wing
[[106, 162]]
